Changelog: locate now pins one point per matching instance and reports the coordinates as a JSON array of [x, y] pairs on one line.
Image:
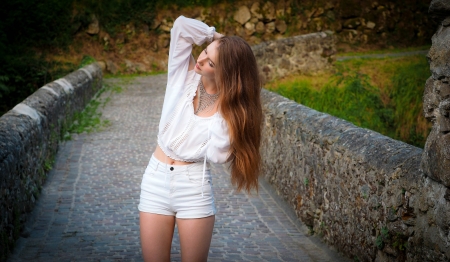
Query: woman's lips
[[196, 65]]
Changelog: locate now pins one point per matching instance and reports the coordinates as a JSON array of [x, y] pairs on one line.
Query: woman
[[211, 113]]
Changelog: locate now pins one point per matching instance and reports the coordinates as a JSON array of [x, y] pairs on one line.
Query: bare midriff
[[159, 154]]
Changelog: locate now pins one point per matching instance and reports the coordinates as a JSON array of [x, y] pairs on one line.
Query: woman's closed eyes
[[211, 64]]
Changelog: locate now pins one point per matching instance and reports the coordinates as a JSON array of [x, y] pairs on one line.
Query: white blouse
[[182, 135]]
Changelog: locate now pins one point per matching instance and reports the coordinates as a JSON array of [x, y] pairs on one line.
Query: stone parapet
[[362, 192], [29, 137], [303, 54]]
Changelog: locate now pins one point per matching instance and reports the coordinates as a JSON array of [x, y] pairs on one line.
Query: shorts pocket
[[196, 178]]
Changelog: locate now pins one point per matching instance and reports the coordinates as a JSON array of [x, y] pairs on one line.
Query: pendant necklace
[[205, 100]]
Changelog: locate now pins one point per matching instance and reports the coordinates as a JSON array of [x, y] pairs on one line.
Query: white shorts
[[177, 190]]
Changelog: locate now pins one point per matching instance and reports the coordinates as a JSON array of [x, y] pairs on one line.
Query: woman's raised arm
[[184, 33]]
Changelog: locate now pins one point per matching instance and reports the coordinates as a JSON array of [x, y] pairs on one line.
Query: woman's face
[[206, 61]]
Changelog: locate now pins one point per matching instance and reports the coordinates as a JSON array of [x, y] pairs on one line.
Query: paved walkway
[[87, 210]]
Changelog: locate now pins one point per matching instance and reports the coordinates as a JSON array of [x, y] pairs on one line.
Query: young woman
[[211, 113]]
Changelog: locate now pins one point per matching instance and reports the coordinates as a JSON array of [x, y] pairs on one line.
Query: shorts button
[[171, 168]]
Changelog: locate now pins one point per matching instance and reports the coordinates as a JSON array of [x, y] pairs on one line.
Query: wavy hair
[[237, 77]]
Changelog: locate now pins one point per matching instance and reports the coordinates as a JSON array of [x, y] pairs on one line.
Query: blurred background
[[43, 40]]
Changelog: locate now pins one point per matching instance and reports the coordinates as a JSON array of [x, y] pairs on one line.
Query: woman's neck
[[209, 85]]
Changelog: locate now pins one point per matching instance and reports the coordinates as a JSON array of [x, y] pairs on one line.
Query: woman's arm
[[184, 33], [192, 60]]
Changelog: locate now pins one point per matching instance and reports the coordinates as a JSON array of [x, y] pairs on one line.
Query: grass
[[382, 94], [385, 51], [90, 120]]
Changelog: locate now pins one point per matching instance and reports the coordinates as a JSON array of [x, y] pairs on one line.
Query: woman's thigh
[[156, 236], [195, 238]]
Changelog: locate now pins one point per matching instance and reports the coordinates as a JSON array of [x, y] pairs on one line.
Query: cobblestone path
[[87, 210]]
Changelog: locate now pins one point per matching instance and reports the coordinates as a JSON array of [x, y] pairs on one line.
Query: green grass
[[385, 51], [90, 119], [384, 95]]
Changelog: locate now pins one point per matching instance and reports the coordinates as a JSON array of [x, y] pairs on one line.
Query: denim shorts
[[177, 190]]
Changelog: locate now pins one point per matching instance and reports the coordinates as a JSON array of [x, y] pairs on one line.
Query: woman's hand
[[217, 36]]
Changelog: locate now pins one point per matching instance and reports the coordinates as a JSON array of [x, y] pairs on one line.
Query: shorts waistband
[[158, 165]]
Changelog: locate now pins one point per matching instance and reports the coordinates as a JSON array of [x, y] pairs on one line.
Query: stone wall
[[436, 100], [29, 136], [362, 192], [357, 25], [303, 54]]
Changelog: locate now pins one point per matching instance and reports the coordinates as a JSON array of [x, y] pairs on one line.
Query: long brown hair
[[237, 77]]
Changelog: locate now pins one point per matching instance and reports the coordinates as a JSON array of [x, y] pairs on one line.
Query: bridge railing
[[362, 192], [29, 137]]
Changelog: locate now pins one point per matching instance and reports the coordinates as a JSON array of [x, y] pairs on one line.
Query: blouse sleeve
[[184, 33], [219, 143]]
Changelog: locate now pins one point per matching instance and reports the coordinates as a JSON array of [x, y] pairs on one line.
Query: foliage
[[89, 119], [347, 95], [28, 25], [86, 60], [29, 29], [382, 238], [384, 95], [112, 13], [406, 96]]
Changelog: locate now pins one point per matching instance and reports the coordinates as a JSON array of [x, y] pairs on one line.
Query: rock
[[249, 28], [93, 27], [165, 28], [370, 25], [270, 27], [279, 12], [105, 39], [111, 67], [446, 22], [120, 38], [330, 14], [148, 60], [364, 39], [309, 13], [163, 41], [154, 46], [140, 67], [240, 31], [128, 63], [318, 12], [255, 40], [430, 100], [242, 15], [436, 155], [268, 11], [281, 26], [156, 23], [260, 28], [255, 10], [439, 9], [352, 23], [130, 67], [102, 65], [254, 20]]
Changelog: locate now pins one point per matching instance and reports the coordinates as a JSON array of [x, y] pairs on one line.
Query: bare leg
[[156, 236], [195, 238]]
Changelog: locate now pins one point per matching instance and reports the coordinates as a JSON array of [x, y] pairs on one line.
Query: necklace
[[205, 100]]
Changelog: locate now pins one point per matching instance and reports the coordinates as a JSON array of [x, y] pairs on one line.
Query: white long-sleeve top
[[182, 135]]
